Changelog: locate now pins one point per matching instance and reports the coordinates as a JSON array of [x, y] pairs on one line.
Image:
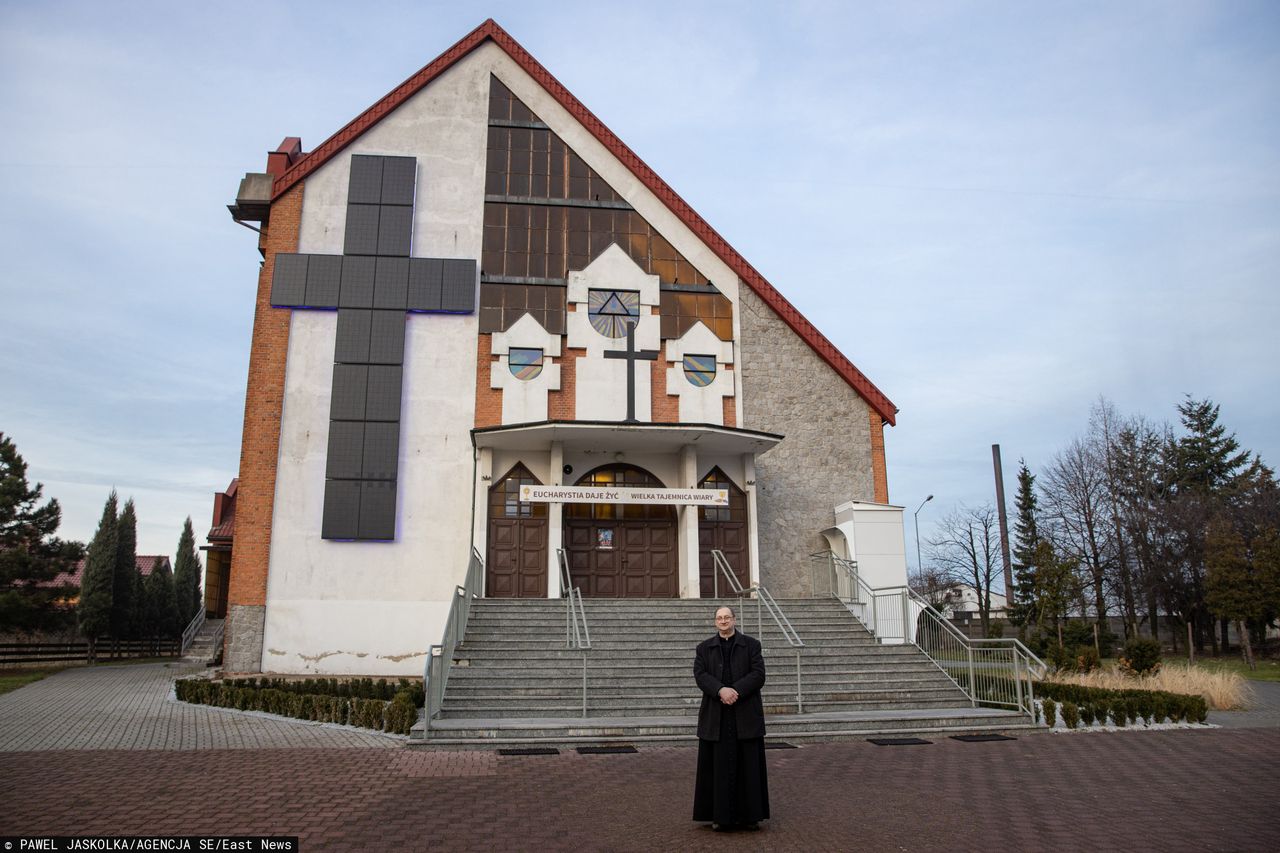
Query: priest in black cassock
[[732, 789]]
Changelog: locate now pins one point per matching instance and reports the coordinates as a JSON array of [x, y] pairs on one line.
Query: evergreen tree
[[1022, 601], [1208, 459], [122, 603], [162, 603], [186, 575], [1241, 584], [94, 610], [30, 554]]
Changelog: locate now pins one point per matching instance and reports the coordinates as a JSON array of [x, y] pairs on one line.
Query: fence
[[77, 651]]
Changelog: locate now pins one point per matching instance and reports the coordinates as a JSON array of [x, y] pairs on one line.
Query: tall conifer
[[186, 575], [122, 603], [1026, 535], [93, 613]]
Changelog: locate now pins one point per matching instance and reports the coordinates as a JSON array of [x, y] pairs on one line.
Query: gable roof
[[145, 563], [489, 30]]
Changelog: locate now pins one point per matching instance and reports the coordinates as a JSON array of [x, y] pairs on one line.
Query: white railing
[[763, 600], [995, 671], [193, 628], [435, 674], [576, 633]]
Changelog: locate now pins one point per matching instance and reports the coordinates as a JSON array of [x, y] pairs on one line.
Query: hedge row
[[1087, 704], [353, 688], [396, 716]]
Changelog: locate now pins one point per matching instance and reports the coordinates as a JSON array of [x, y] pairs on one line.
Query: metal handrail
[[435, 674], [765, 598], [193, 628], [576, 633], [998, 671]]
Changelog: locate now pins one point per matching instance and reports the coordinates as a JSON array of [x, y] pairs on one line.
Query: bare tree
[[1075, 491], [966, 550], [935, 586]]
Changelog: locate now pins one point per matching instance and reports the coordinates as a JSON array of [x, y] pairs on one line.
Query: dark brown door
[[517, 563], [622, 550], [725, 529]]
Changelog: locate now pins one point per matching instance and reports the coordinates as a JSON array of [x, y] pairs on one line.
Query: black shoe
[[750, 827], [715, 827]]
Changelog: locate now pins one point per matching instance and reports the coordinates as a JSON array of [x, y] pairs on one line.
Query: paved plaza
[[1164, 790]]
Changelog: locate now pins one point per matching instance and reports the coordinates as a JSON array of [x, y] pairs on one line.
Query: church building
[[484, 325]]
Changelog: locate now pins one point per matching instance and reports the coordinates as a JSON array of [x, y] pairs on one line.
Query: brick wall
[[878, 471], [562, 405], [664, 407], [488, 400], [826, 458], [260, 444]]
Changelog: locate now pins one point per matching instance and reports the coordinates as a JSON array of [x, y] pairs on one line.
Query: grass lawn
[[14, 678], [1268, 670]]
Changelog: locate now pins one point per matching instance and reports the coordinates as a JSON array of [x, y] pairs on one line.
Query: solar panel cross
[[371, 285], [632, 355]]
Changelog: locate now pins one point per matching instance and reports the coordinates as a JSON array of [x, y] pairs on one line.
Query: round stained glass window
[[524, 364], [611, 311], [700, 370]]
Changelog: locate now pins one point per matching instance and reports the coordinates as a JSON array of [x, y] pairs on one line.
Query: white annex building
[[477, 305]]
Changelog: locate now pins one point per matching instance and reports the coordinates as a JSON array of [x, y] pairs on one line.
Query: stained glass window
[[525, 364], [611, 311], [700, 370], [504, 497]]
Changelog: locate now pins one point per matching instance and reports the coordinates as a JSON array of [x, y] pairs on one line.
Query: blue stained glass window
[[610, 311], [524, 364], [700, 370]]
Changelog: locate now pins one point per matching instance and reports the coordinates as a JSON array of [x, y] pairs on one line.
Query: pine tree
[[1022, 603], [1208, 460], [186, 575], [122, 603], [94, 610], [30, 554]]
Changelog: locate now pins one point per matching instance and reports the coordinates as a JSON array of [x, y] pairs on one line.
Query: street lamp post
[[916, 515]]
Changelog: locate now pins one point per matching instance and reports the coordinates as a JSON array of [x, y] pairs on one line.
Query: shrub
[[1070, 714], [1141, 657], [1086, 659], [1087, 714], [1050, 713]]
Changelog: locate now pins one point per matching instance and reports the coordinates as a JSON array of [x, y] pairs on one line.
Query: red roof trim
[[490, 30]]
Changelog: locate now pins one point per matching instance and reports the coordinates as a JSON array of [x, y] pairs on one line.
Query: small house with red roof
[[485, 326]]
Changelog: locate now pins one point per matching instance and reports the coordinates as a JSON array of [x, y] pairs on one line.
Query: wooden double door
[[723, 529], [618, 558]]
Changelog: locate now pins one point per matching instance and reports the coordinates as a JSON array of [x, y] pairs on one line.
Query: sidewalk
[[127, 707], [1165, 791], [1265, 712]]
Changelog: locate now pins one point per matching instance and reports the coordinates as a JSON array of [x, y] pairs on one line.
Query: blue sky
[[998, 211]]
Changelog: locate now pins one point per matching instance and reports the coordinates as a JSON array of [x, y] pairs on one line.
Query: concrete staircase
[[513, 681], [206, 646]]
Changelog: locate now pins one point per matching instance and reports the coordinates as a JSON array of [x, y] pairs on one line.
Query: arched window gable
[[623, 475], [504, 495], [716, 478]]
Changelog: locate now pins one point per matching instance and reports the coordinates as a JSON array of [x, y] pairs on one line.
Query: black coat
[[746, 675]]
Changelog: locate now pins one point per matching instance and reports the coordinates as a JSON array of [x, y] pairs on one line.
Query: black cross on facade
[[632, 356], [371, 285]]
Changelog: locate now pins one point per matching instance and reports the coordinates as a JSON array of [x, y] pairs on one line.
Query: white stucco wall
[[375, 607]]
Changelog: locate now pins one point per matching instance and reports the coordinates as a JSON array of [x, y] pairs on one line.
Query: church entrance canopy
[[626, 549]]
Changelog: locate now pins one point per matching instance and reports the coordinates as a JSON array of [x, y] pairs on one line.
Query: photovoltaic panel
[[398, 175], [362, 230], [458, 290], [385, 387], [352, 345], [425, 277], [386, 338], [346, 450], [391, 284], [350, 384], [395, 228], [341, 509], [324, 281], [289, 281], [377, 510], [381, 450], [365, 186], [357, 282]]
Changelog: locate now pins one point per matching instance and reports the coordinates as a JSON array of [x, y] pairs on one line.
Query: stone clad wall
[[826, 457]]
